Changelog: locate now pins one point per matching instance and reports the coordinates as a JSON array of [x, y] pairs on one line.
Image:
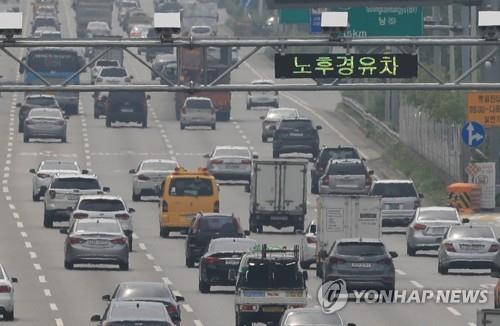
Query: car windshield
[[159, 166], [140, 291], [360, 249], [113, 72], [59, 166], [347, 169], [296, 124], [198, 104], [191, 187], [225, 224], [45, 113], [471, 232], [232, 152], [311, 318], [41, 101], [441, 215], [394, 190], [97, 227], [76, 183], [107, 63], [238, 246], [281, 114], [101, 205]]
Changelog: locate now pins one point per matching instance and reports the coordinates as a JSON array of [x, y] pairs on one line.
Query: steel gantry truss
[[405, 45]]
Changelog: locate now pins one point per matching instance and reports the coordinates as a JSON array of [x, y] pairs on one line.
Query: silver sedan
[[428, 227], [149, 176], [45, 123], [230, 162], [6, 295], [469, 246], [42, 175], [95, 241]]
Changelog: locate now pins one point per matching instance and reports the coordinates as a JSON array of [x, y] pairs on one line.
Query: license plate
[[392, 206], [273, 309], [361, 265], [97, 242], [232, 262], [438, 231], [471, 247], [279, 218], [232, 166], [296, 134]]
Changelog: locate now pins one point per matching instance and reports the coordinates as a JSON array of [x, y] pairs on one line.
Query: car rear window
[[41, 101], [232, 152], [191, 187], [296, 124], [437, 215], [394, 190], [137, 97], [282, 114], [159, 166], [59, 166], [338, 154], [198, 104], [347, 169], [101, 205], [273, 274], [225, 224], [147, 315], [239, 246], [113, 72], [98, 227], [360, 249], [141, 291], [312, 318], [75, 183], [107, 63], [471, 232], [45, 113]]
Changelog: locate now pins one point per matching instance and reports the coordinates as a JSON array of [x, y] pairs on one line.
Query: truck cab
[[269, 282]]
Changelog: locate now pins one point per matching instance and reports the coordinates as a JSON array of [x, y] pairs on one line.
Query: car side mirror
[[393, 254], [131, 171], [305, 275], [106, 297], [85, 171], [131, 77], [255, 156], [319, 127], [95, 318], [131, 210], [106, 189], [63, 230], [371, 172], [14, 279], [420, 195], [32, 171], [179, 298], [206, 155], [246, 232], [262, 117], [18, 104]]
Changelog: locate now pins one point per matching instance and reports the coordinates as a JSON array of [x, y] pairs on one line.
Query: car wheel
[[189, 261], [319, 270], [442, 269], [182, 126], [260, 228], [63, 139], [26, 138], [203, 286], [276, 154], [124, 266], [305, 265], [314, 188], [164, 232], [108, 122], [20, 128], [213, 126], [47, 220], [249, 106], [96, 114], [9, 315], [136, 197], [68, 265], [36, 197], [264, 139], [410, 251], [130, 242], [145, 123], [298, 226]]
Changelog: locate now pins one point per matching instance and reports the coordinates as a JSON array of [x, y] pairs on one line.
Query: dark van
[[127, 106]]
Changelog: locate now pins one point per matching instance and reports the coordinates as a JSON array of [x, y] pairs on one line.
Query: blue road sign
[[473, 134], [315, 23]]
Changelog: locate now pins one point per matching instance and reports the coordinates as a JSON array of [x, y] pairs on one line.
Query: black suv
[[127, 106], [207, 227], [325, 155], [296, 136]]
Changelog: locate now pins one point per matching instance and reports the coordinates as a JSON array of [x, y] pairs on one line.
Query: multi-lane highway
[[47, 294]]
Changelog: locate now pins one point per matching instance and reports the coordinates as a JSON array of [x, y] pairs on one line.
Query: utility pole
[[465, 49]]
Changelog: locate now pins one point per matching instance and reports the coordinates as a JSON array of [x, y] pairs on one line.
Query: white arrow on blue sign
[[473, 133]]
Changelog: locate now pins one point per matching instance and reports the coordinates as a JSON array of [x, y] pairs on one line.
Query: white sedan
[[149, 176], [6, 294]]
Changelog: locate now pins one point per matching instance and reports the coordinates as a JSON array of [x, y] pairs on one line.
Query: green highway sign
[[385, 21], [294, 16]]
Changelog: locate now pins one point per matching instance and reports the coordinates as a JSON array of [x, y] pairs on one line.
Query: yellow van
[[184, 194]]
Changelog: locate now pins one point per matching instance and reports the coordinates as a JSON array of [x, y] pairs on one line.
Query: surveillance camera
[[334, 23], [11, 23], [488, 23], [166, 24]]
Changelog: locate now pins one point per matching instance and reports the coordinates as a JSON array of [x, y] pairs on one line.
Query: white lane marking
[[187, 307], [37, 267], [415, 283], [135, 236], [197, 322], [20, 225], [59, 322], [244, 136], [24, 234], [7, 162], [471, 324], [28, 244], [5, 181], [47, 292], [53, 307], [9, 155], [150, 257], [15, 215], [158, 268], [6, 175], [5, 189], [12, 207], [454, 311], [166, 281], [42, 279], [33, 255], [142, 246], [8, 198]]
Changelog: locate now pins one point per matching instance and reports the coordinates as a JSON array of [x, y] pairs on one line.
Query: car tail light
[[336, 260], [73, 240], [449, 247], [80, 215], [417, 204], [311, 239], [216, 206], [494, 248], [119, 241], [246, 161], [212, 260], [249, 307], [143, 177], [171, 309], [122, 216], [5, 289], [419, 226], [164, 206], [325, 180], [216, 161], [386, 261], [43, 175], [52, 194], [183, 110]]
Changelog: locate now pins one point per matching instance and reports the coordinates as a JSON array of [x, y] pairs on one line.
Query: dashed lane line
[[454, 311], [416, 284], [42, 279], [198, 322], [53, 306], [187, 307], [166, 281], [47, 292], [158, 268]]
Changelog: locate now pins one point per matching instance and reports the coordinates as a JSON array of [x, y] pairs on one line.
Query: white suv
[[198, 111], [43, 174], [7, 294], [63, 194], [262, 98]]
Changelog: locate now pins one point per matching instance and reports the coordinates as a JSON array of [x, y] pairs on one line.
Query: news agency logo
[[333, 296]]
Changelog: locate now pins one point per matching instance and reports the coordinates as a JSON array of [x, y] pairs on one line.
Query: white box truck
[[278, 194], [341, 217]]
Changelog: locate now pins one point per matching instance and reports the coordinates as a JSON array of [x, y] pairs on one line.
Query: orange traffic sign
[[484, 107]]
